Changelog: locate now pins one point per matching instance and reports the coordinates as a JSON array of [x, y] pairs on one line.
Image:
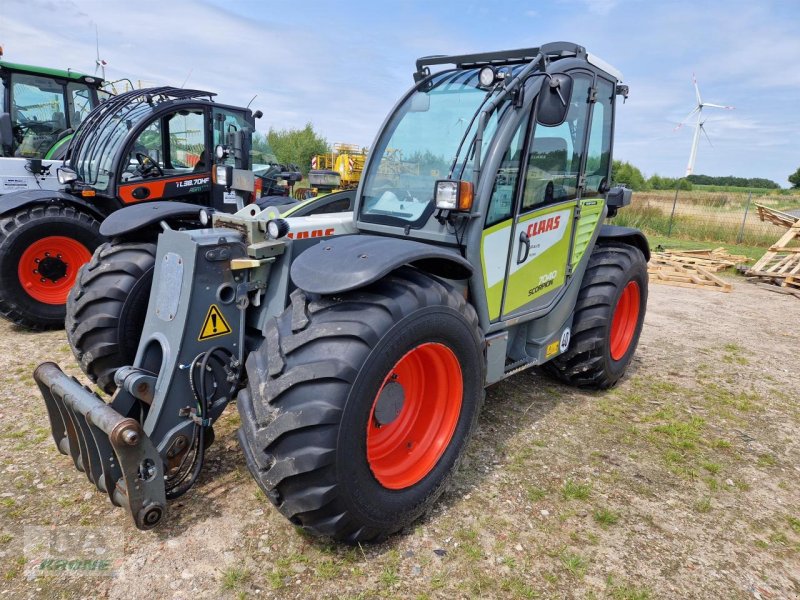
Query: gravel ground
[[682, 482]]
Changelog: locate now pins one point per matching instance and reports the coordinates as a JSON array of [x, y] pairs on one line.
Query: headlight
[[204, 217], [66, 175], [221, 152], [277, 228], [447, 195], [221, 175], [454, 195]]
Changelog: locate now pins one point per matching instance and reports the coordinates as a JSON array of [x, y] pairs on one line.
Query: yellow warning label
[[215, 325], [551, 349]]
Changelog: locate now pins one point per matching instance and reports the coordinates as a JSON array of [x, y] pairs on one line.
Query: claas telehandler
[[358, 362]]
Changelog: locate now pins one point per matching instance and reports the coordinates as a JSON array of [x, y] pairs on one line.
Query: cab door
[[527, 245], [169, 160]]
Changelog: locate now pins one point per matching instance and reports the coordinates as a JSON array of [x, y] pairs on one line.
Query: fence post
[[672, 214], [746, 208]]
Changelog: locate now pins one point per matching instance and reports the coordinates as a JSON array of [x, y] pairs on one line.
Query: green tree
[[262, 153], [794, 179], [297, 145], [626, 173]]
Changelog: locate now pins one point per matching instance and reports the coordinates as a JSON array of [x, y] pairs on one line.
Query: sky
[[343, 65]]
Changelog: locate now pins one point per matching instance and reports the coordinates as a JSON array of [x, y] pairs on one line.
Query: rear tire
[[41, 250], [337, 453], [106, 309], [608, 320]]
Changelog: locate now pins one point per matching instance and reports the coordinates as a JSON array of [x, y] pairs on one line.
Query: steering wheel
[[148, 167]]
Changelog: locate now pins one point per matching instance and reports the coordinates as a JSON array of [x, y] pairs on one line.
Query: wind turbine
[[698, 125], [99, 63]]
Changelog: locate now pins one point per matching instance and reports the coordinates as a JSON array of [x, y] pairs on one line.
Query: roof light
[[487, 76]]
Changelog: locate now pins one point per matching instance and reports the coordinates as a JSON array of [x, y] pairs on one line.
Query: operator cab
[[42, 108], [506, 157], [159, 144]]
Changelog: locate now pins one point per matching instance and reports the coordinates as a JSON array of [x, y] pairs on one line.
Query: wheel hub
[[51, 268], [389, 404]]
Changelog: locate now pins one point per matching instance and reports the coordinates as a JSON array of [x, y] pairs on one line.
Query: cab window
[[505, 182], [225, 123], [37, 111], [171, 145], [79, 103], [187, 141], [554, 157], [599, 149]]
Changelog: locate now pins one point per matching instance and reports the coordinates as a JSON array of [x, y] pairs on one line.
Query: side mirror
[[619, 196], [6, 134], [554, 99]]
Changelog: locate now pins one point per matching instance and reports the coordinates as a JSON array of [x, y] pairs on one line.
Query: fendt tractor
[[40, 109], [137, 147], [358, 362]]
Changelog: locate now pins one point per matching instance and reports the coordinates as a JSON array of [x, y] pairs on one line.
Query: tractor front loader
[[358, 362]]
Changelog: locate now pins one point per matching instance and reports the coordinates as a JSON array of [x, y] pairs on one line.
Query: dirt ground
[[682, 482]]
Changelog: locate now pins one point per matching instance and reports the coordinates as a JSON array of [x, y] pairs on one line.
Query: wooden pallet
[[668, 271], [780, 265], [714, 260], [781, 260], [776, 217]]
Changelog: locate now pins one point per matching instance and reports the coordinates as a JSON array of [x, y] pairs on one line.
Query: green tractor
[[40, 109], [135, 148], [358, 362]]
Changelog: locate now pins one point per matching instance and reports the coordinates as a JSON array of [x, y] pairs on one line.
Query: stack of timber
[[693, 268], [780, 266]]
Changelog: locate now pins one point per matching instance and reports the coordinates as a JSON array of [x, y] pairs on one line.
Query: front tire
[[41, 250], [359, 407], [107, 307], [608, 320]]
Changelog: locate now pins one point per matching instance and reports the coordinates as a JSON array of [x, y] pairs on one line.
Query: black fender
[[349, 262], [16, 200], [628, 235], [138, 216]]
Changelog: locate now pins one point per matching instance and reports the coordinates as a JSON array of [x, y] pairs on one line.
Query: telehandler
[[358, 362], [137, 147]]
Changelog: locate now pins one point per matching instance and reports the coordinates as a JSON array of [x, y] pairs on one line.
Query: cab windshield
[[95, 153], [430, 137]]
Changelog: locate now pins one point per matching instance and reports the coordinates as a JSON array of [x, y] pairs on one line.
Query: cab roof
[[48, 72]]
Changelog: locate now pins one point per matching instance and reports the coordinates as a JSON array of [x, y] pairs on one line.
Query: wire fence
[[728, 217]]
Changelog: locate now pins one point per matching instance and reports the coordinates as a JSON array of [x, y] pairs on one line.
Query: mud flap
[[113, 451]]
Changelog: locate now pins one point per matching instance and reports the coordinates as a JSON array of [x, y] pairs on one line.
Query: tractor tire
[[106, 309], [608, 319], [359, 406], [41, 250]]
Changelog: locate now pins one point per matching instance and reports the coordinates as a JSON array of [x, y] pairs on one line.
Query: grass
[[572, 490], [234, 578], [605, 517], [574, 563], [702, 217]]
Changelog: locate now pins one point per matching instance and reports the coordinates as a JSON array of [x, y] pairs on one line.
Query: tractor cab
[[40, 108], [160, 144]]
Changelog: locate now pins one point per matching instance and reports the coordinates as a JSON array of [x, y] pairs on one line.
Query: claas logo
[[544, 226], [314, 233]]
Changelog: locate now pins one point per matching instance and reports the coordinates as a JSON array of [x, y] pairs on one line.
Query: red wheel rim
[[48, 267], [403, 449], [626, 317]]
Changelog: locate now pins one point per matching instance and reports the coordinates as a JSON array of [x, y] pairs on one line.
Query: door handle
[[524, 246]]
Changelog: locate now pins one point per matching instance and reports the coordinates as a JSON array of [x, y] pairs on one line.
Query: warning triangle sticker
[[214, 325]]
